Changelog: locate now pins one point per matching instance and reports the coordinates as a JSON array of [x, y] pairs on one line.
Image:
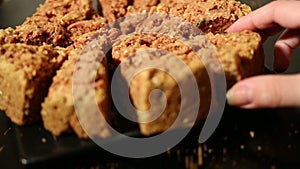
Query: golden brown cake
[[146, 81], [69, 24], [209, 15], [49, 23], [58, 111], [115, 9], [26, 73], [27, 64], [239, 53]]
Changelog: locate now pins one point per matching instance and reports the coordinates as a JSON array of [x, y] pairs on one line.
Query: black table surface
[[245, 139]]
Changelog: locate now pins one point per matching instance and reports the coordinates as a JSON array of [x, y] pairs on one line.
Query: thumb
[[267, 91]]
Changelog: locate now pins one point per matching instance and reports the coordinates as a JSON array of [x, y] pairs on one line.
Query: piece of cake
[[82, 31], [58, 111], [209, 15], [49, 23], [115, 9], [112, 9], [67, 26], [26, 73], [240, 53], [242, 58], [146, 81]]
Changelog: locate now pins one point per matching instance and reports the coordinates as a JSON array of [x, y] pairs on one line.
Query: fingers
[[271, 90], [275, 15], [289, 40], [268, 91]]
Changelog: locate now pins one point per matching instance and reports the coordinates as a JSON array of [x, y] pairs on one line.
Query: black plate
[[244, 139]]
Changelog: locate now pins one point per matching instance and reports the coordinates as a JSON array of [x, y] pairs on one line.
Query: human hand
[[271, 90]]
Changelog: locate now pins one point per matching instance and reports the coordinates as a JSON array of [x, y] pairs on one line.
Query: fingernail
[[239, 96]]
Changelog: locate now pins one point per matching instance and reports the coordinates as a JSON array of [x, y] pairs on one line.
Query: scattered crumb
[[210, 151], [44, 140], [169, 152], [234, 163], [224, 150], [289, 146], [225, 138], [6, 131], [186, 162], [178, 154], [195, 151], [200, 156], [259, 148], [252, 134], [1, 148], [204, 147], [273, 167], [242, 147]]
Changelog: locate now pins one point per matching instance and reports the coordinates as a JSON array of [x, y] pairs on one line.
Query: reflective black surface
[[244, 139]]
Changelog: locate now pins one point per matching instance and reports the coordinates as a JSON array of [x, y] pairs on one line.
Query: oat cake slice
[[241, 59], [26, 73]]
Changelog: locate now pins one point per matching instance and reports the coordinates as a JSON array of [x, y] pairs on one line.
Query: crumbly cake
[[240, 53], [146, 81], [115, 9], [49, 23], [241, 59], [209, 15], [58, 112], [82, 31], [69, 24], [112, 9], [26, 73]]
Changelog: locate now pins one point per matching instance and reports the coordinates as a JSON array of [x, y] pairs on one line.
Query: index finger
[[284, 14]]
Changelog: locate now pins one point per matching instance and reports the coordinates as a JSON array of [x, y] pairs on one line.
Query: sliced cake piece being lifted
[[240, 55]]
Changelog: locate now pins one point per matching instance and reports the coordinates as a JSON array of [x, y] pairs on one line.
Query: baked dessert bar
[[148, 80], [209, 15], [114, 9], [26, 73], [58, 111], [240, 55], [49, 23], [57, 35]]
